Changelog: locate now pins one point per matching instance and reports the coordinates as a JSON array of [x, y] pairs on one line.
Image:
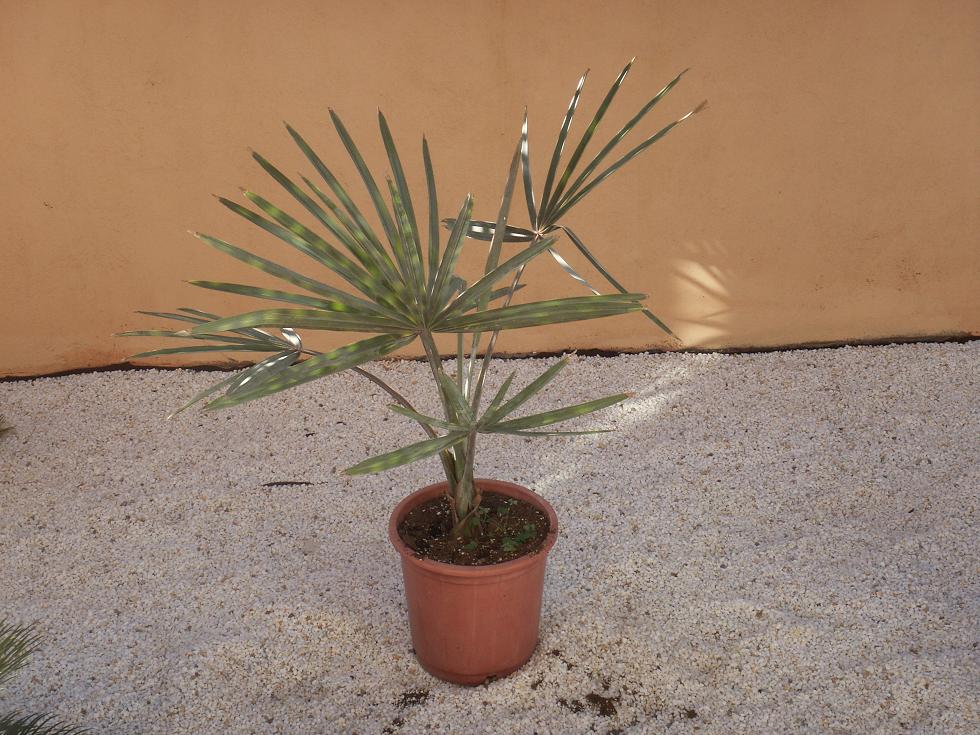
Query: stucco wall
[[828, 193]]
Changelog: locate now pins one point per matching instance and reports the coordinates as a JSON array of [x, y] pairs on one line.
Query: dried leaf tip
[[695, 111]]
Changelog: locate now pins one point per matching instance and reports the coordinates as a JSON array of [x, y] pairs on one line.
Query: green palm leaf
[[409, 252], [426, 420], [189, 349], [341, 321], [184, 334], [345, 303], [405, 455], [500, 226], [339, 225], [574, 198], [483, 230], [538, 313], [532, 211], [362, 168], [328, 363], [590, 131], [402, 184], [587, 432], [357, 225], [441, 288], [274, 269], [17, 643], [560, 144], [614, 141], [430, 183], [557, 415], [36, 724], [294, 233], [195, 316], [494, 414], [249, 377], [245, 336], [460, 406], [609, 277], [499, 396], [474, 295]]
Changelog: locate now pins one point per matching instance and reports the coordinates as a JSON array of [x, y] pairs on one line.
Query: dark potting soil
[[503, 528]]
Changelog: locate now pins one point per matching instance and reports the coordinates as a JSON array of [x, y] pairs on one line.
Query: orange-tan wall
[[829, 192]]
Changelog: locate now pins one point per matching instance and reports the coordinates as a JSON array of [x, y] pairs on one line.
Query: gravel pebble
[[769, 543]]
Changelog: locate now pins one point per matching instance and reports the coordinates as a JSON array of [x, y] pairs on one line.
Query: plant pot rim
[[472, 571]]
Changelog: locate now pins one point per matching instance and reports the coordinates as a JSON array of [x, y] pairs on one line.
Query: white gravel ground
[[774, 543]]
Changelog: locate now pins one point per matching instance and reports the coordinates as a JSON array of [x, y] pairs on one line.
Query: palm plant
[[17, 643], [401, 285]]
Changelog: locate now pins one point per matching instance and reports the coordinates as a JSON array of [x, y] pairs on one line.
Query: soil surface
[[502, 529]]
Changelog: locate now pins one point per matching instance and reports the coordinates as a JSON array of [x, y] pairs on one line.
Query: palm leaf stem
[[452, 469], [468, 499], [448, 463], [488, 355]]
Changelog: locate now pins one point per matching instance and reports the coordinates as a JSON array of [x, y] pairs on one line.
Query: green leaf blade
[[540, 313], [406, 455], [430, 183], [589, 132], [483, 230], [559, 208], [349, 321], [442, 286], [495, 414], [319, 366], [273, 269], [401, 183], [357, 224], [560, 145], [366, 176], [610, 279], [427, 420], [473, 295], [345, 303], [532, 211], [557, 415], [193, 349]]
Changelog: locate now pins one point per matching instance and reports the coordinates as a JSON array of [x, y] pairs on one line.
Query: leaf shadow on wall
[[703, 296]]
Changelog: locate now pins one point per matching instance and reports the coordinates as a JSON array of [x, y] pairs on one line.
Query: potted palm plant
[[473, 551]]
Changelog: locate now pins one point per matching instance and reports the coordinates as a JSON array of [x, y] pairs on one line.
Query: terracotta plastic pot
[[471, 623]]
